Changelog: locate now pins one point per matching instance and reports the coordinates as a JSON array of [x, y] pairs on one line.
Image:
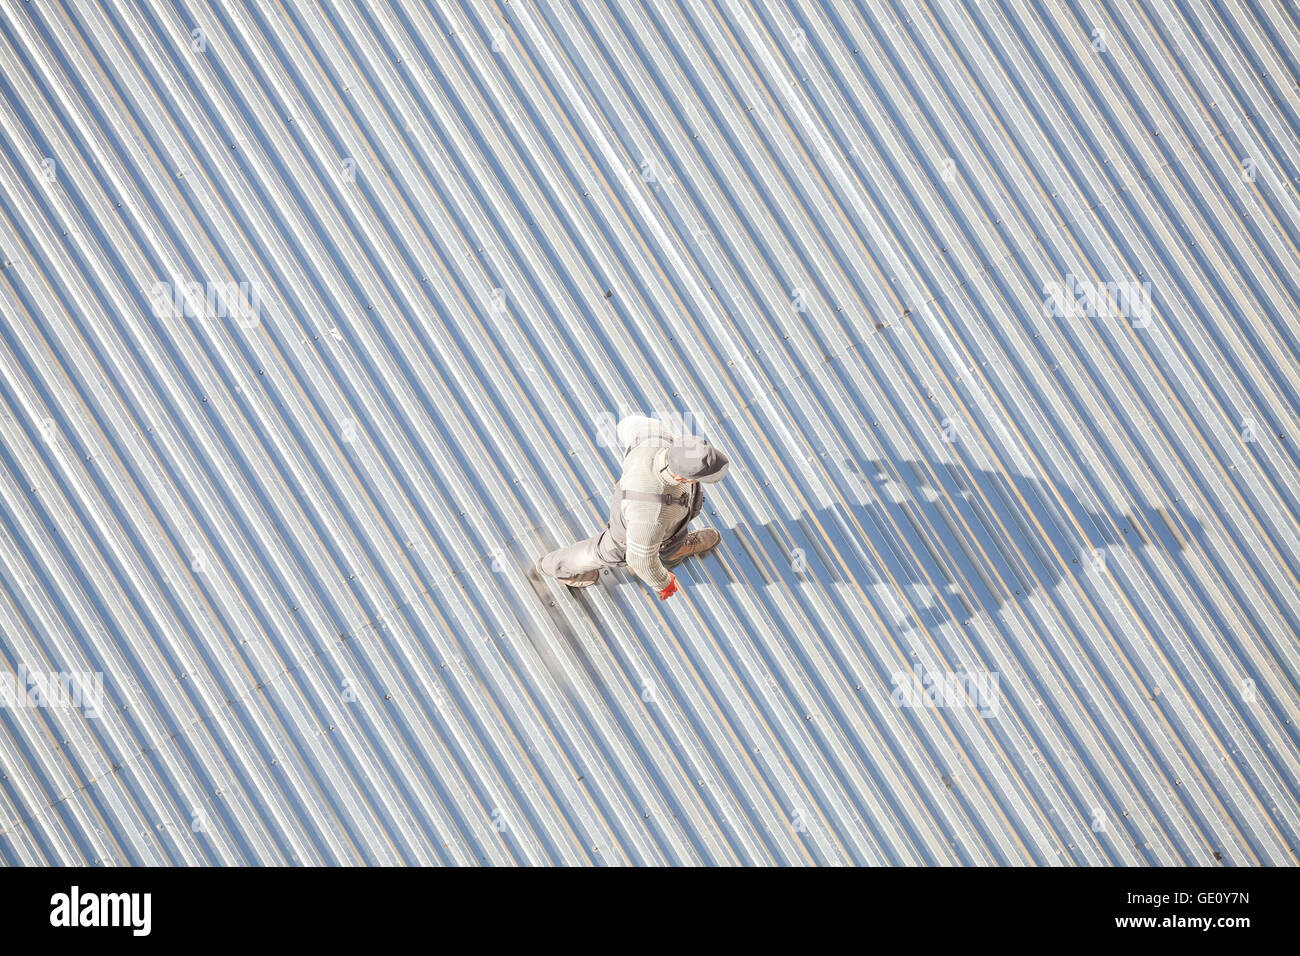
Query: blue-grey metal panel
[[993, 307]]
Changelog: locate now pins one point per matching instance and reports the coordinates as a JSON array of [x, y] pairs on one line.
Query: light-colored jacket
[[647, 525]]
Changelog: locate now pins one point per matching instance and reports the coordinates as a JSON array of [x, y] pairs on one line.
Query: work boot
[[697, 542], [584, 580]]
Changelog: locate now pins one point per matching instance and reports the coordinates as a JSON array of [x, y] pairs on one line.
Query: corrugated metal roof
[[852, 243]]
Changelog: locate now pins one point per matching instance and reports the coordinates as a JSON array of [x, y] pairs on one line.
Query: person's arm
[[643, 547]]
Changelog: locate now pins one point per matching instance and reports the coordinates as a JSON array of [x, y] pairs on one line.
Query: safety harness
[[684, 499], [691, 499]]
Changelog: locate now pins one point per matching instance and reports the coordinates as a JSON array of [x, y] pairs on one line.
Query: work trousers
[[601, 551]]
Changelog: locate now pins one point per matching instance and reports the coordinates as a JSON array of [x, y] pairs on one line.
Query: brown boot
[[584, 580], [697, 542]]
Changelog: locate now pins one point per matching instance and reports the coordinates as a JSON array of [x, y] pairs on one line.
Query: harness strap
[[684, 499]]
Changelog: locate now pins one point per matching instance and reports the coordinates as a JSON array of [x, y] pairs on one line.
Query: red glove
[[671, 589]]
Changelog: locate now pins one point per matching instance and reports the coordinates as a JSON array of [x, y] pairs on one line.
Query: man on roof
[[658, 495]]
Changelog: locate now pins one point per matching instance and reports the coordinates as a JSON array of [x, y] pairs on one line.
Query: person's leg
[[612, 553], [674, 541], [580, 559], [685, 544]]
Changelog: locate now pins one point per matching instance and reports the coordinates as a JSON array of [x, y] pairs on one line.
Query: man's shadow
[[961, 541]]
